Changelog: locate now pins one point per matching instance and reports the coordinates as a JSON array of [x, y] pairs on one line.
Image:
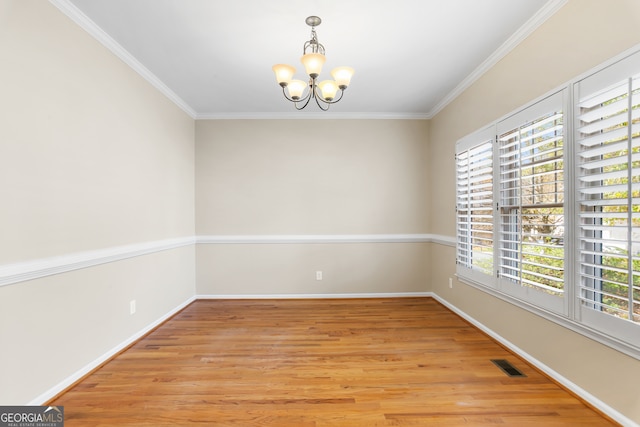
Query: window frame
[[466, 145], [568, 310], [590, 87], [531, 113]]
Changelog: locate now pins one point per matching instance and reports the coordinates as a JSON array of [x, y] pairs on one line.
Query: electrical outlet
[[450, 283], [132, 306], [318, 275]]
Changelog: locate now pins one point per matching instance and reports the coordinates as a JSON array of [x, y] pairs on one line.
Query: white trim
[[588, 397], [297, 115], [319, 238], [573, 325], [443, 240], [77, 16], [571, 319], [606, 64], [35, 269], [318, 296], [78, 375], [583, 394], [560, 88], [82, 20], [548, 10]]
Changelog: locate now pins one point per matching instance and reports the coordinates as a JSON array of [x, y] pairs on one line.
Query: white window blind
[[608, 161], [548, 206], [474, 208], [531, 200]]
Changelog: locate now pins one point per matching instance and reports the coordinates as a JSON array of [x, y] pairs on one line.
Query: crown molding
[[69, 9], [311, 116], [548, 10], [76, 15]]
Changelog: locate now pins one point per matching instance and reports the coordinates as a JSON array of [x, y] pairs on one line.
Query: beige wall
[[289, 269], [91, 157], [311, 176], [583, 34], [301, 177], [54, 327]]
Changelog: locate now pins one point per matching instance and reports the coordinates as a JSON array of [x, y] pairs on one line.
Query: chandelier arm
[[306, 98], [310, 94], [327, 103], [334, 100], [320, 105]]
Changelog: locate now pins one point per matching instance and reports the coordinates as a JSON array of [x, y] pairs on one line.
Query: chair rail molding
[[324, 238], [38, 268]]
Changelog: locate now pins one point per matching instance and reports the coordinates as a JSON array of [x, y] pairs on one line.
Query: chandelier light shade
[[313, 63], [328, 88], [313, 58], [284, 72], [342, 75], [296, 89]]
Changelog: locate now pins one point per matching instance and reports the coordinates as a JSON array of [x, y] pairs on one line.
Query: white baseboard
[[588, 397], [579, 391], [318, 296], [78, 375]]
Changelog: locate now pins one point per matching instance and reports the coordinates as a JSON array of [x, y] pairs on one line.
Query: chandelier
[[324, 92]]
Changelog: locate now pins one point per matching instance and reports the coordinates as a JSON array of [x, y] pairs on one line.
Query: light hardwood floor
[[319, 363]]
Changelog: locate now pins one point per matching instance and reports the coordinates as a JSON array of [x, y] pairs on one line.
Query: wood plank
[[319, 363]]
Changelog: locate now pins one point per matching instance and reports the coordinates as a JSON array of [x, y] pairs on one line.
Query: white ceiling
[[214, 57]]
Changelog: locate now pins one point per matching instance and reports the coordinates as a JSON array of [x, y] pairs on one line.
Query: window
[[531, 203], [548, 206], [608, 170], [474, 209]]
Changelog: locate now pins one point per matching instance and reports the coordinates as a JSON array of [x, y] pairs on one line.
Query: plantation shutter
[[608, 169], [531, 203], [474, 205], [548, 205]]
